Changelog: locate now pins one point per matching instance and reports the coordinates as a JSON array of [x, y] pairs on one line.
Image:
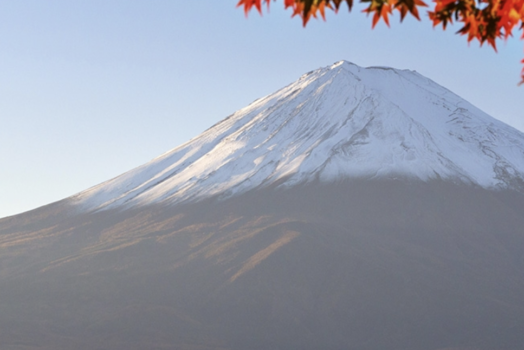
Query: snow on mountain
[[337, 122]]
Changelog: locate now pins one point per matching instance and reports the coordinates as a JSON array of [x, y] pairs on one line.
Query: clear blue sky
[[92, 88]]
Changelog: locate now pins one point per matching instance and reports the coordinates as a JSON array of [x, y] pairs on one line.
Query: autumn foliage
[[487, 21]]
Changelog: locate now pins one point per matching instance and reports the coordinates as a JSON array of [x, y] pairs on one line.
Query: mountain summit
[[334, 123]]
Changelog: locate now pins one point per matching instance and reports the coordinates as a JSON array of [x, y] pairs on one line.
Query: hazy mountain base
[[364, 265]]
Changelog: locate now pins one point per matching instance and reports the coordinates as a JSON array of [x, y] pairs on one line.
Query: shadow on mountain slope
[[365, 265]]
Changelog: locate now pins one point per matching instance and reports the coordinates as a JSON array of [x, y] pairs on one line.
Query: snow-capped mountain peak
[[338, 122]]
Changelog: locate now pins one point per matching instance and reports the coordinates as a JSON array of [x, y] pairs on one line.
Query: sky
[[92, 88]]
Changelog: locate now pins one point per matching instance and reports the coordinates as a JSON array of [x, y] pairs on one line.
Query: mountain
[[356, 208]]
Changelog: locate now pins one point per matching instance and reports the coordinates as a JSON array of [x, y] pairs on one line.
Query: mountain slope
[[338, 122], [359, 265]]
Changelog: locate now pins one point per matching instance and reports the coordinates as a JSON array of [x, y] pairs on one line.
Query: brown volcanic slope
[[363, 265]]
